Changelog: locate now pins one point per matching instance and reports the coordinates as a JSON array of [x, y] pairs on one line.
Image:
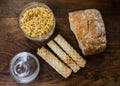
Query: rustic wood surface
[[101, 70]]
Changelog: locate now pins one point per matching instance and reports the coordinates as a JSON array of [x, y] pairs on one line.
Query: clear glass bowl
[[43, 37], [24, 67]]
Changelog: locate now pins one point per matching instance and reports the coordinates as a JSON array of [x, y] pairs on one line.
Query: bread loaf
[[89, 30]]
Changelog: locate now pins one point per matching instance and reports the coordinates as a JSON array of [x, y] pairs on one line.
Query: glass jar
[[45, 36], [24, 67]]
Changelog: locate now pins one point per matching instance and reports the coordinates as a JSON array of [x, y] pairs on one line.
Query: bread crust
[[88, 27]]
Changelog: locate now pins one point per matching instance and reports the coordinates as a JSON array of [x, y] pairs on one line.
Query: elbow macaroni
[[37, 21]]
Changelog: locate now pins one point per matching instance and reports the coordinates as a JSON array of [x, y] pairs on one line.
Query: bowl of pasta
[[37, 21]]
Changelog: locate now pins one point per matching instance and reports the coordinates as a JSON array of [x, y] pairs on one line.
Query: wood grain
[[101, 70]]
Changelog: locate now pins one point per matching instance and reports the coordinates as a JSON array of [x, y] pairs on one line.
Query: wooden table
[[101, 70]]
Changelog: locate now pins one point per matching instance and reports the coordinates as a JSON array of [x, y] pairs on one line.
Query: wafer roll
[[63, 56], [53, 61], [70, 50]]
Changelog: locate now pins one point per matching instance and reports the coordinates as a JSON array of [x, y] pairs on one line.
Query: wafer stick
[[63, 56], [70, 50], [54, 62]]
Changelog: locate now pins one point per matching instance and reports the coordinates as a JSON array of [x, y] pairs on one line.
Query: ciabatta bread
[[88, 27]]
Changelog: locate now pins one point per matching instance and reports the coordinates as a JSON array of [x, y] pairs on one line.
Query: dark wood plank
[[101, 70]]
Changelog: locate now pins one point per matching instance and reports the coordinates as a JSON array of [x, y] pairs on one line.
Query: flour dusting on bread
[[89, 29]]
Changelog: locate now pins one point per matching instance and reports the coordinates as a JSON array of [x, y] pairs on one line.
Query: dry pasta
[[37, 21]]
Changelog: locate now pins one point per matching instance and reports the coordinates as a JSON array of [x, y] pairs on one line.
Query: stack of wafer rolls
[[65, 58]]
